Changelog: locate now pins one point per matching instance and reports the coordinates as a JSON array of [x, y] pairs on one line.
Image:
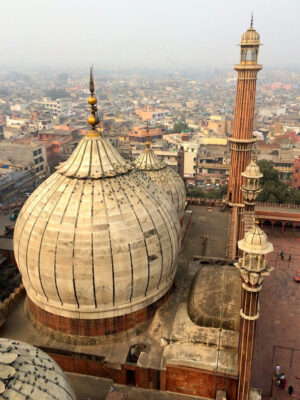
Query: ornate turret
[[250, 189], [253, 268], [250, 45]]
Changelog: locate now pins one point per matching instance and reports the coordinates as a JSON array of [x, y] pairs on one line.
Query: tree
[[273, 189], [179, 127]]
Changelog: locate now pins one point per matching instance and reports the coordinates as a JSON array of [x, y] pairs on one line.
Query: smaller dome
[[164, 177], [255, 242], [250, 37], [252, 171], [28, 373]]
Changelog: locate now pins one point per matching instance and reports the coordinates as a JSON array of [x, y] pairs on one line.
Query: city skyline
[[136, 34]]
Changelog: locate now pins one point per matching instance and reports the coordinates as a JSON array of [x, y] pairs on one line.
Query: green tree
[[273, 189], [179, 127]]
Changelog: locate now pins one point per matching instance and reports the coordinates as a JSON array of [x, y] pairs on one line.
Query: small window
[[37, 169], [297, 170], [41, 168], [35, 153], [36, 161], [41, 159]]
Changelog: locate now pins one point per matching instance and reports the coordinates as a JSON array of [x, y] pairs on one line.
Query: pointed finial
[[93, 119], [92, 87], [147, 137], [251, 24]]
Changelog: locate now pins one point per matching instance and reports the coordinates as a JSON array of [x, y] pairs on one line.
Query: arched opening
[[254, 55], [249, 55], [243, 57], [134, 352]]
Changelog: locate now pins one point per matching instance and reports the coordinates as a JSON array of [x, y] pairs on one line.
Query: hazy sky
[[144, 33]]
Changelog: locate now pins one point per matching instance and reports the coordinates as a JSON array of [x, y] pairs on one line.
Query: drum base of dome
[[89, 328]]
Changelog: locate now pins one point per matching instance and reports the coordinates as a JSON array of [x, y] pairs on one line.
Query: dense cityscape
[[43, 116]]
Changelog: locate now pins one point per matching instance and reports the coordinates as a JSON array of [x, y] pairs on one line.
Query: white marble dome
[[252, 171], [97, 239], [26, 372], [165, 177], [255, 242]]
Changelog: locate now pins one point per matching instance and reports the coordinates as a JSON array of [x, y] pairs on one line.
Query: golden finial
[[147, 137], [93, 119], [256, 222]]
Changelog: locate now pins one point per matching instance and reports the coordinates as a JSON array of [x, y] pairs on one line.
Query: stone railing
[[205, 202], [278, 205], [202, 201]]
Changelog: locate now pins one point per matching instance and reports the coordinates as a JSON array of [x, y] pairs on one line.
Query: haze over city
[[168, 34]]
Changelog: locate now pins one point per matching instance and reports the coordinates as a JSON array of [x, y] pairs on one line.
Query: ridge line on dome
[[108, 158], [92, 244], [62, 165], [125, 225], [91, 158], [158, 238], [68, 171], [99, 156], [142, 232], [28, 241], [74, 182], [173, 223], [43, 233], [73, 246], [110, 245], [28, 205]]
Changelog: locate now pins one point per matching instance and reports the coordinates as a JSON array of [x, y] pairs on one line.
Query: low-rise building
[[26, 151]]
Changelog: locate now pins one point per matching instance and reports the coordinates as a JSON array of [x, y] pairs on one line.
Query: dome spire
[[251, 24], [147, 137], [93, 119]]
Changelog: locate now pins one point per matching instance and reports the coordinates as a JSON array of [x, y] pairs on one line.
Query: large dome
[[165, 177], [97, 239], [28, 373]]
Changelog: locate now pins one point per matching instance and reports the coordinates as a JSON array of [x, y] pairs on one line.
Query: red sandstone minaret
[[242, 138]]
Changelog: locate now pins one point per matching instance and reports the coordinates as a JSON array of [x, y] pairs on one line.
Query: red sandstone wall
[[147, 378], [81, 365], [178, 379], [91, 327], [197, 382]]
